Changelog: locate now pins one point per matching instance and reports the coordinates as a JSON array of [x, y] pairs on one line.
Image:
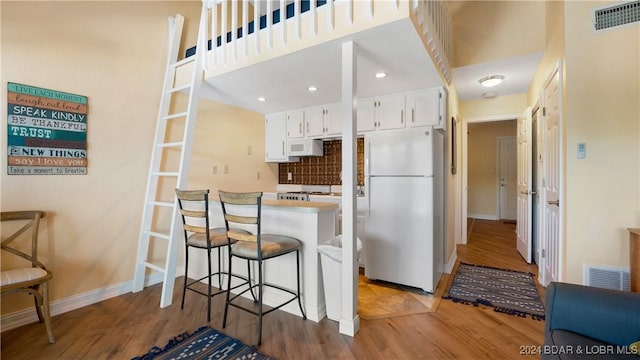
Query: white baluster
[[298, 22], [256, 24], [283, 21], [245, 27], [269, 25], [223, 33], [314, 16], [214, 34], [234, 31], [332, 15]]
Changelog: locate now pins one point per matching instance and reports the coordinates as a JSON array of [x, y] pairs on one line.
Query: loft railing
[[240, 32], [436, 23]]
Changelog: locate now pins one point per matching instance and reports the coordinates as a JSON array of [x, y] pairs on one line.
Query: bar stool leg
[[304, 316]]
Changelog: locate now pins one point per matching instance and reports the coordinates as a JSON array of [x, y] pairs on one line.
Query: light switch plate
[[582, 150]]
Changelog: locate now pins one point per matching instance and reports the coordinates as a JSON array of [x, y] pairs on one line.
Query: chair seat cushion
[[14, 276], [272, 245]]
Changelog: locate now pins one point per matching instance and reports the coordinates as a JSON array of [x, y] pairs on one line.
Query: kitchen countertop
[[291, 205]]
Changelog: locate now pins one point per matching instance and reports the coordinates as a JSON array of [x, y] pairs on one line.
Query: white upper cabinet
[[426, 108], [275, 135], [295, 124], [366, 114], [332, 119], [323, 121], [381, 113]]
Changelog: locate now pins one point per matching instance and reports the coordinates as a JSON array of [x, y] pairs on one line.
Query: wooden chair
[[244, 209], [194, 210], [32, 279]]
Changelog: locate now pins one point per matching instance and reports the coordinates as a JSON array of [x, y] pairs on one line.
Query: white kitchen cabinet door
[[366, 114], [275, 137], [390, 112], [314, 118], [332, 120], [323, 121], [423, 108], [295, 124]]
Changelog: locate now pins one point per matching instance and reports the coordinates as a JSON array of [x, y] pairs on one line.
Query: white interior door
[[508, 177], [524, 194], [551, 182]]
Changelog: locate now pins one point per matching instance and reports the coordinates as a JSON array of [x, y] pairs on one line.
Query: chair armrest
[[607, 315]]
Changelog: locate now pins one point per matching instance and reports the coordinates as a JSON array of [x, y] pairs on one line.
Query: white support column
[[349, 322]]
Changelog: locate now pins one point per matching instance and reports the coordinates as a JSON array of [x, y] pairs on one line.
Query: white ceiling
[[518, 73]]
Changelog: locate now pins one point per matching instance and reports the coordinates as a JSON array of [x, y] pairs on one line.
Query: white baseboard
[[452, 262], [483, 216], [29, 315]]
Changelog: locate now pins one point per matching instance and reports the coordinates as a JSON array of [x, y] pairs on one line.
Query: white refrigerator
[[404, 228]]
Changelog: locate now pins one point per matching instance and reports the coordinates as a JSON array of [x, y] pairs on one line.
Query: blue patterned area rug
[[507, 291], [204, 343]]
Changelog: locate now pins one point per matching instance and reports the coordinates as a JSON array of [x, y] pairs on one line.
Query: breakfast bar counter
[[312, 223]]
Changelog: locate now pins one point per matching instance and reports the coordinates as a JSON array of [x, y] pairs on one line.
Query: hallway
[[493, 243]]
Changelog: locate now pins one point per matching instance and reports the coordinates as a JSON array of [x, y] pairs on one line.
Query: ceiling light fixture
[[490, 81], [262, 99], [312, 88], [489, 95], [380, 75]]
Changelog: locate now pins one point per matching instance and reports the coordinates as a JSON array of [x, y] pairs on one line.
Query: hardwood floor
[[128, 325]]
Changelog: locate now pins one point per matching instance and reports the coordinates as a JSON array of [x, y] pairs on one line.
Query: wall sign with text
[[46, 131]]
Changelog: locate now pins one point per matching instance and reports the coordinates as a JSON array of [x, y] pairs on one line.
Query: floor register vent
[[607, 277], [621, 14]]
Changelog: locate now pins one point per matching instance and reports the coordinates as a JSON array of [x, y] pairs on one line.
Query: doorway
[[481, 169]]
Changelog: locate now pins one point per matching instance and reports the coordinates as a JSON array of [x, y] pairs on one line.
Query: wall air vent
[[607, 277], [615, 16]]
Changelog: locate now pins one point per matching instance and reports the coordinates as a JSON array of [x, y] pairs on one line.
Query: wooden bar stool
[[244, 209], [194, 210]]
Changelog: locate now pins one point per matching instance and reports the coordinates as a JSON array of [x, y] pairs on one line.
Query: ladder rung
[[183, 61], [171, 144], [166, 173], [161, 203], [179, 88], [158, 235], [175, 116], [153, 266]]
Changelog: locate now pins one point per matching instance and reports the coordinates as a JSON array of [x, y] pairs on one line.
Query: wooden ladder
[[160, 220]]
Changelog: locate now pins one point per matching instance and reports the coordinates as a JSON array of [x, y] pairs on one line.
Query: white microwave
[[305, 147]]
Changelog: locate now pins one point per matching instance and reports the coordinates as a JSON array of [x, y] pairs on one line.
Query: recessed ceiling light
[[312, 88], [380, 75], [262, 99], [492, 80], [489, 95]]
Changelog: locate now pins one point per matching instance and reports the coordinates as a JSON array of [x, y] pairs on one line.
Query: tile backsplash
[[321, 170]]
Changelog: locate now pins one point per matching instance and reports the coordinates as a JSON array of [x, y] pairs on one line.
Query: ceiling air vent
[[614, 16]]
